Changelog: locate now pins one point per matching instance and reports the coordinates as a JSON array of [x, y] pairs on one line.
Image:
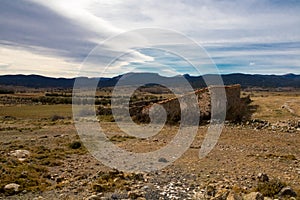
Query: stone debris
[[263, 177], [253, 196], [12, 187], [234, 196], [21, 155], [287, 191], [235, 105], [288, 126]]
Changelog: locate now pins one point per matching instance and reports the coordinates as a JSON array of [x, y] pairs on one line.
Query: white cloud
[[78, 11], [213, 23], [26, 62]]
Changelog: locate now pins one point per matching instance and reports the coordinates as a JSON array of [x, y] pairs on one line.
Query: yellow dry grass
[[36, 111], [274, 106]]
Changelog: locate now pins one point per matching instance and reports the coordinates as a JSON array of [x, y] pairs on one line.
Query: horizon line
[[46, 76]]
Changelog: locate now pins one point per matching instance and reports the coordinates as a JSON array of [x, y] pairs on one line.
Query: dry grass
[[33, 174], [51, 147], [275, 106], [36, 111], [115, 180], [270, 188]]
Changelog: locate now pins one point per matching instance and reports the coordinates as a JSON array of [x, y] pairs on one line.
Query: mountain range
[[245, 80]]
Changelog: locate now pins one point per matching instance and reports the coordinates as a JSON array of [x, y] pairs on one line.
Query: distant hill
[[264, 81], [246, 80], [36, 81]]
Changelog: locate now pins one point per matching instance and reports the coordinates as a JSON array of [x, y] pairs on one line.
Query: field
[[36, 111], [278, 106], [59, 166]]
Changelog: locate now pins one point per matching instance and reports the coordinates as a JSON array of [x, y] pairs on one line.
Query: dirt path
[[287, 105]]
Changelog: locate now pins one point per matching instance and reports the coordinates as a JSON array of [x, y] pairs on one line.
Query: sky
[[64, 38]]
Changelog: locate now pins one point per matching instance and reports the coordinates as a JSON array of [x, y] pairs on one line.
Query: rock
[[263, 177], [118, 196], [210, 191], [93, 197], [221, 195], [287, 191], [21, 155], [267, 198], [12, 187], [163, 160], [146, 187], [234, 196], [254, 196], [199, 196], [98, 188], [38, 198], [134, 194], [59, 179]]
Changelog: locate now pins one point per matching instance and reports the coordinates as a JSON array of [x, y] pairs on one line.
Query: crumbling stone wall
[[235, 106]]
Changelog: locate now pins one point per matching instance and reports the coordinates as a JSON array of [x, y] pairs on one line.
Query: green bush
[[271, 188], [75, 145], [5, 91], [57, 117]]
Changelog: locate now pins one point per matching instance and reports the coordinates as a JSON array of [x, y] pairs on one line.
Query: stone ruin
[[235, 105]]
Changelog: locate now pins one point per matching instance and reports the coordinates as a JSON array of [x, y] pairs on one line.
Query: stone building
[[235, 105]]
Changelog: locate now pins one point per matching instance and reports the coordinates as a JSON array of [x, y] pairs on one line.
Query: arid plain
[[42, 156]]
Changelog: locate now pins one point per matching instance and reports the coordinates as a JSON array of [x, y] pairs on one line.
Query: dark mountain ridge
[[246, 80]]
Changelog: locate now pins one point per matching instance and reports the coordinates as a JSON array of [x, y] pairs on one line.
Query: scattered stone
[[221, 195], [210, 191], [199, 195], [21, 155], [234, 196], [163, 160], [38, 198], [12, 187], [254, 196], [98, 188], [268, 198], [287, 191], [134, 194], [263, 177], [146, 187], [59, 179], [93, 197], [118, 196]]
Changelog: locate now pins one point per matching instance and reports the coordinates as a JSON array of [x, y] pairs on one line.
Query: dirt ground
[[71, 172]]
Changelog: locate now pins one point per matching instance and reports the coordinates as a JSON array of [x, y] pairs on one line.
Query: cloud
[[55, 30], [251, 63], [35, 64], [209, 20], [240, 36], [4, 66], [79, 11], [25, 24], [248, 57]]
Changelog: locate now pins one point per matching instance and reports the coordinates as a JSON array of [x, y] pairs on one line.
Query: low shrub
[[75, 145], [270, 188], [57, 117]]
